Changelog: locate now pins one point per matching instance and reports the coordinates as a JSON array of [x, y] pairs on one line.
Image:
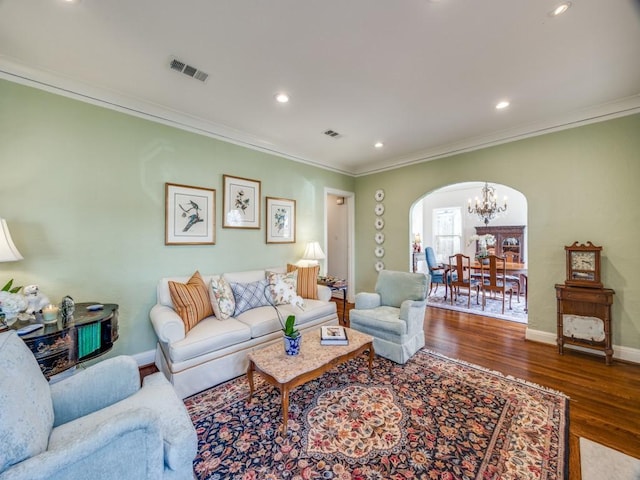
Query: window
[[447, 232]]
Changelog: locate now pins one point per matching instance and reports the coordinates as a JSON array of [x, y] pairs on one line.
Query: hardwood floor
[[604, 400]]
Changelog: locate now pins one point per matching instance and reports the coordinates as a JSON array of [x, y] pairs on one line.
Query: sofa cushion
[[222, 299], [261, 321], [191, 300], [282, 287], [307, 286], [382, 322], [313, 310], [26, 410], [207, 336], [250, 295]]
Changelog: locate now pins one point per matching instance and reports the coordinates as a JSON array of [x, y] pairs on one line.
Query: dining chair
[[460, 269], [511, 257], [493, 279], [524, 285], [437, 271]]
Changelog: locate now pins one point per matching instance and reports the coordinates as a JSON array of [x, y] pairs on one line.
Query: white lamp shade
[[313, 252], [8, 251]]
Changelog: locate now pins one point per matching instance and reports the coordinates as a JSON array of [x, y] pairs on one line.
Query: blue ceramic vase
[[292, 345]]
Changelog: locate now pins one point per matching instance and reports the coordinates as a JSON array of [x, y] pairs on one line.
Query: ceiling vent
[[332, 134], [193, 72]]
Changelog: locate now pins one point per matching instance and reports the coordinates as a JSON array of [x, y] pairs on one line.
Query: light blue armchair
[[97, 424], [394, 314]]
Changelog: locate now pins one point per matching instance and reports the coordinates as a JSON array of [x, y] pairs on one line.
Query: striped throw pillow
[[307, 286], [191, 300]]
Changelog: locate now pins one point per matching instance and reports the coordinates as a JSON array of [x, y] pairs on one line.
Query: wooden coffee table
[[287, 372]]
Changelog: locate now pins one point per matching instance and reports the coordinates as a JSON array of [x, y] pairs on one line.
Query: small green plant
[[289, 327], [7, 287]]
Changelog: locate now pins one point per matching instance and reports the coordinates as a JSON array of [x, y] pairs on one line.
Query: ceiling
[[421, 76]]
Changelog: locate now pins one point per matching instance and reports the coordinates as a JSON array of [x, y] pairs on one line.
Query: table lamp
[[8, 250], [313, 253]]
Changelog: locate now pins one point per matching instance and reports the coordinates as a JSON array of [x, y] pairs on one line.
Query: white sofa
[[216, 350]]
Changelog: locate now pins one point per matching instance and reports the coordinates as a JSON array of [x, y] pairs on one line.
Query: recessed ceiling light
[[378, 144], [282, 97], [502, 104], [560, 9]]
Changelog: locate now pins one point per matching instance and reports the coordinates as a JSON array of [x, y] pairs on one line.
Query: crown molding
[[54, 83], [600, 113]]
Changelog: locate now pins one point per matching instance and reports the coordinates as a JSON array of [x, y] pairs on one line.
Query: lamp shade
[[8, 251], [313, 252]]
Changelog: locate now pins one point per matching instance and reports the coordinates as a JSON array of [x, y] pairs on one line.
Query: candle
[[50, 313]]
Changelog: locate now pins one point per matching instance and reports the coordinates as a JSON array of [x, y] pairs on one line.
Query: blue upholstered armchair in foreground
[[97, 424], [394, 314], [437, 271]]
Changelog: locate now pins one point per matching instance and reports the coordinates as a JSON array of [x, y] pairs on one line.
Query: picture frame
[[190, 215], [240, 202], [281, 220]]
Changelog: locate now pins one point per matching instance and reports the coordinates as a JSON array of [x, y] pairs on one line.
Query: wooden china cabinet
[[509, 238]]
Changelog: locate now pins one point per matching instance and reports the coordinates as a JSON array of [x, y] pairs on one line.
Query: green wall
[[82, 189], [581, 184]]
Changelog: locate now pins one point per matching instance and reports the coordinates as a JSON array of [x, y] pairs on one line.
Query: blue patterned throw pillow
[[249, 295]]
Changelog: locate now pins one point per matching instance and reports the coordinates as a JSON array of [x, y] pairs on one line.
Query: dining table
[[515, 271], [512, 268]]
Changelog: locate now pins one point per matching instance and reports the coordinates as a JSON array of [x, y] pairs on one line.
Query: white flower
[[484, 240], [12, 302]]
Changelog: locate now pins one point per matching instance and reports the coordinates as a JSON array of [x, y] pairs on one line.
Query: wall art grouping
[[190, 212]]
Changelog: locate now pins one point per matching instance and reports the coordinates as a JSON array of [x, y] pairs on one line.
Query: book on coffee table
[[333, 335]]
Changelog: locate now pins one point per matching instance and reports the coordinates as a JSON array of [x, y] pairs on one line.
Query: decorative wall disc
[[379, 196], [379, 223], [379, 252], [379, 209], [379, 238], [379, 266]]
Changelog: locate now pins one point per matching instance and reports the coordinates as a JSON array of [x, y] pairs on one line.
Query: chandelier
[[487, 208]]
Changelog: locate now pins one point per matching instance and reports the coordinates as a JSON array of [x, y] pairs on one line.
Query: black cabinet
[[58, 348]]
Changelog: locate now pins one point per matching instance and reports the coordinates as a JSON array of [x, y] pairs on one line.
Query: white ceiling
[[422, 76]]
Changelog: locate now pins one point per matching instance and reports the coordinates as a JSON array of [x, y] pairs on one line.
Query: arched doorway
[[440, 220]]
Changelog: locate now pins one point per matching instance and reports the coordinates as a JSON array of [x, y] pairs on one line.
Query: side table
[[58, 348], [584, 318], [337, 285]]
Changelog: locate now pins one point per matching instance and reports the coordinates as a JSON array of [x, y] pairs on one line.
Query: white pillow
[[283, 287], [222, 299]]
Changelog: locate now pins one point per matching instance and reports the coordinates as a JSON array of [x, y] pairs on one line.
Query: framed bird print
[[281, 220], [190, 215], [240, 202]]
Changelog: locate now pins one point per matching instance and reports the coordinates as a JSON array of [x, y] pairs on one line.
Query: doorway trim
[[349, 200]]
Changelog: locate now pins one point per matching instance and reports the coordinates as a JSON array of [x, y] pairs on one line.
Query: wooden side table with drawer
[[584, 318]]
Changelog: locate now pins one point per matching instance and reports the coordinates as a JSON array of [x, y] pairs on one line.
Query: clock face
[[583, 265], [585, 261]]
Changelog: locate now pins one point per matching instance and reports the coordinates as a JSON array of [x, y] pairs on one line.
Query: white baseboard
[[145, 358], [626, 354]]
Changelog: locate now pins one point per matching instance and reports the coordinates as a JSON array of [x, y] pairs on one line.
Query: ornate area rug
[[433, 418], [493, 307]]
